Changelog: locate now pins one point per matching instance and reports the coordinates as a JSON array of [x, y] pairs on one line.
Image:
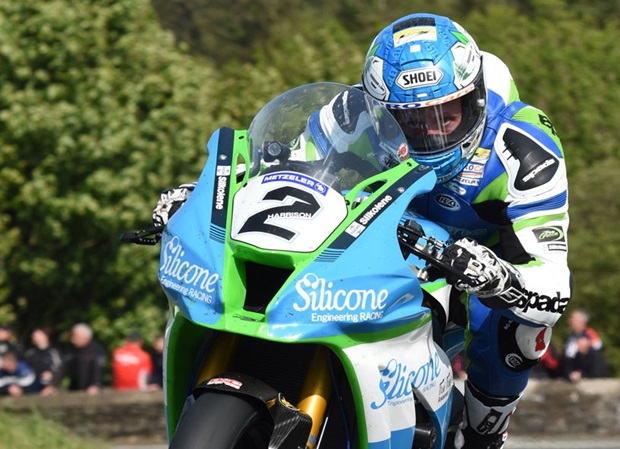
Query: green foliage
[[594, 256], [564, 65], [99, 112], [35, 432]]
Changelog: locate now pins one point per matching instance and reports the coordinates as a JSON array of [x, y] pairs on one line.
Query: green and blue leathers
[[323, 236]]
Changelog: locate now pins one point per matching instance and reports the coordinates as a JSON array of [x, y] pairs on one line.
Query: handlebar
[[412, 238]]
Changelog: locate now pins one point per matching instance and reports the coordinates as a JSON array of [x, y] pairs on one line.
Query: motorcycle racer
[[502, 191]]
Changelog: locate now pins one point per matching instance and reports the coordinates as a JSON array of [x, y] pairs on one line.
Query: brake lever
[[412, 237], [149, 236]]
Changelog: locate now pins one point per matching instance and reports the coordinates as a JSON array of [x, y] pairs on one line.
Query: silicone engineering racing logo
[[191, 280], [398, 382], [328, 304]]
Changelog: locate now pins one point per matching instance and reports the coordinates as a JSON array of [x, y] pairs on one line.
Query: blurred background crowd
[[42, 366], [45, 366]]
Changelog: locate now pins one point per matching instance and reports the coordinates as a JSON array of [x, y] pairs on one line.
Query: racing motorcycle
[[308, 305]]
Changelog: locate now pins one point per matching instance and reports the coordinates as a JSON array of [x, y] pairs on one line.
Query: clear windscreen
[[332, 132]]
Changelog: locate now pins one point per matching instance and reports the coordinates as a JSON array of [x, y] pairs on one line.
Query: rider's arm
[[535, 239], [527, 272]]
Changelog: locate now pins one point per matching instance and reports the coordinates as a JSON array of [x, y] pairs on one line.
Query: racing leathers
[[512, 197]]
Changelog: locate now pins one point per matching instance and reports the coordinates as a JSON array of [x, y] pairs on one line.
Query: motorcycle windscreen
[[286, 211]]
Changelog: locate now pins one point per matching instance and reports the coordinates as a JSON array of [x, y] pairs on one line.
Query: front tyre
[[224, 421]]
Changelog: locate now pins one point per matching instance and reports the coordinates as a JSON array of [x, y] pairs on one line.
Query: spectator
[[583, 355], [16, 376], [548, 366], [156, 382], [131, 365], [85, 361], [8, 341], [45, 360]]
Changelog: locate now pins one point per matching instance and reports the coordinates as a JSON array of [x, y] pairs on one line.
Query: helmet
[[427, 70]]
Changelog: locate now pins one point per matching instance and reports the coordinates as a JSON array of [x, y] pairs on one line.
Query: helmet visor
[[434, 129]]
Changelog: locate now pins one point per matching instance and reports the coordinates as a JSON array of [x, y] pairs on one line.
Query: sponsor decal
[[297, 178], [513, 360], [531, 175], [482, 153], [468, 181], [419, 33], [472, 171], [552, 237], [547, 234], [220, 192], [543, 303], [178, 274], [223, 170], [434, 102], [328, 304], [410, 79], [374, 210], [222, 174], [398, 382], [447, 202], [355, 229], [225, 381], [403, 151], [445, 387], [289, 215]]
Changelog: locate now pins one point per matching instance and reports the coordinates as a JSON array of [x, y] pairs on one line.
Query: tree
[[594, 255], [564, 64], [99, 112]]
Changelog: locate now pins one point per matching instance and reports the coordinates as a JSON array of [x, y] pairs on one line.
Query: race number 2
[[302, 205]]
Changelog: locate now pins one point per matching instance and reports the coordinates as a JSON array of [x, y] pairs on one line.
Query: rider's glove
[[169, 202], [497, 283]]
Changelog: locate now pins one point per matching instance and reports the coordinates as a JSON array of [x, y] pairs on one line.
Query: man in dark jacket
[[85, 361]]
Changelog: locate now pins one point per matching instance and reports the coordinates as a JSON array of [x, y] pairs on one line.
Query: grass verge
[[32, 431]]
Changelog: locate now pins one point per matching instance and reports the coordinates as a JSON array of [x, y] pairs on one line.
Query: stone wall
[[111, 415], [554, 407], [547, 408]]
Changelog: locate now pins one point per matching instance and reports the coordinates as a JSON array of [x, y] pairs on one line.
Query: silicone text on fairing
[[174, 266], [220, 195], [397, 383], [317, 294]]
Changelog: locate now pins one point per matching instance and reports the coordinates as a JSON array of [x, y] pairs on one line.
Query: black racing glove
[[497, 283]]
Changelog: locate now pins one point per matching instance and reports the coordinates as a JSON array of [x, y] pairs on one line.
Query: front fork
[[315, 393]]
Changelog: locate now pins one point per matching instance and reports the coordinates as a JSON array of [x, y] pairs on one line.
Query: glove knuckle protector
[[497, 283]]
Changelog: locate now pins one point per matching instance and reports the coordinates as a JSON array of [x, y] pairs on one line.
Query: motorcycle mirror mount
[[148, 236]]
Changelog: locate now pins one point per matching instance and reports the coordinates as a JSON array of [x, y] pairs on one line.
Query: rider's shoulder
[[498, 79]]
